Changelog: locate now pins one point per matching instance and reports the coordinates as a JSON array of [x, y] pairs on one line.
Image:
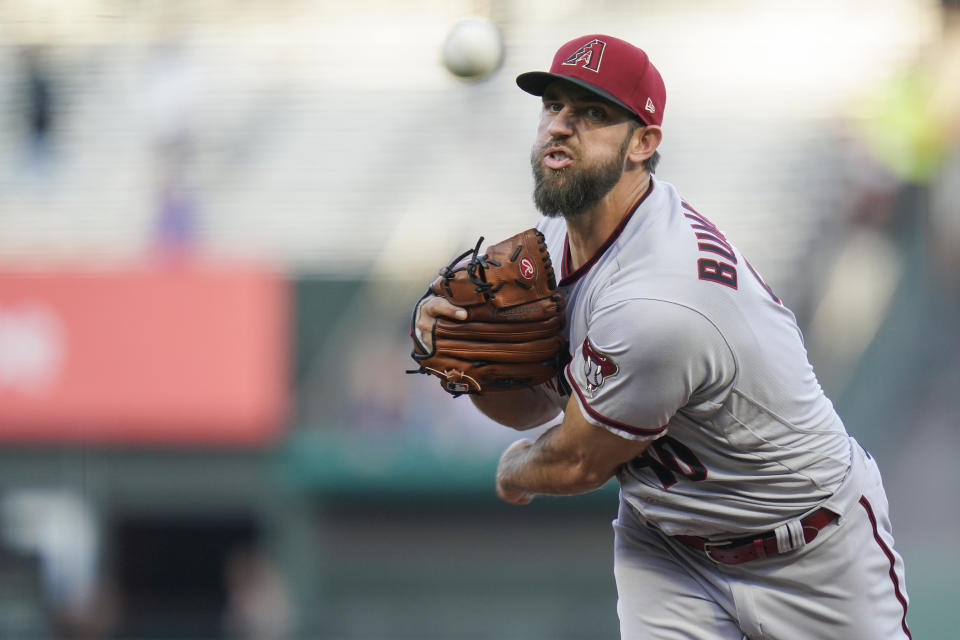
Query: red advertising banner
[[183, 355]]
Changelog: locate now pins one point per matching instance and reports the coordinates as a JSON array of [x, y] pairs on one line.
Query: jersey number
[[667, 457]]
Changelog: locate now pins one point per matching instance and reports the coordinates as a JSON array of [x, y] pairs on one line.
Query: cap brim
[[535, 83]]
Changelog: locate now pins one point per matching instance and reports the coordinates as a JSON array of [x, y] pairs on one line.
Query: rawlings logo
[[526, 268], [588, 56], [597, 366]]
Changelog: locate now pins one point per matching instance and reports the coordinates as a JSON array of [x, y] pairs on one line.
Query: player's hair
[[650, 164]]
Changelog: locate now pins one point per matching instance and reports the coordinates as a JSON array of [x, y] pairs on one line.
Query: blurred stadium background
[[214, 218]]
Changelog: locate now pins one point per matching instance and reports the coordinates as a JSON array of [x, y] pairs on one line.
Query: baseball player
[[746, 510]]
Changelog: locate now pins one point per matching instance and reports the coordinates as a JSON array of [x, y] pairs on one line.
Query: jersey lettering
[[717, 246], [692, 214], [719, 272], [668, 458], [711, 240]]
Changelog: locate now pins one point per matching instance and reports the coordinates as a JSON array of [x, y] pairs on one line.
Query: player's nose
[[560, 124]]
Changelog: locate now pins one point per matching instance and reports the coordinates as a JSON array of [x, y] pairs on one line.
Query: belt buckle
[[708, 546]]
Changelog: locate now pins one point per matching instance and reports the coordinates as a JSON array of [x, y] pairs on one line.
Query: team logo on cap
[[597, 366], [588, 56]]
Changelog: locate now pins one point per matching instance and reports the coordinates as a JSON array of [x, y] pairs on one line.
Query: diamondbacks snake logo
[[588, 56], [597, 366]]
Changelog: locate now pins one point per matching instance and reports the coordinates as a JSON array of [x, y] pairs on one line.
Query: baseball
[[473, 48]]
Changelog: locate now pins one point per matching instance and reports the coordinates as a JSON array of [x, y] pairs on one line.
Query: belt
[[749, 548]]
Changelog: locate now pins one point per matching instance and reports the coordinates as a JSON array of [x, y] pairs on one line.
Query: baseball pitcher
[[746, 510]]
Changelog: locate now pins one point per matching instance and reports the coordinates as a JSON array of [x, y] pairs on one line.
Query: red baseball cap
[[610, 67]]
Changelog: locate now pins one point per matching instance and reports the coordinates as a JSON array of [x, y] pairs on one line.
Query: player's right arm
[[572, 457], [520, 409]]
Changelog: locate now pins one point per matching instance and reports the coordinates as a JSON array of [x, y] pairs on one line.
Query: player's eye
[[596, 113], [553, 107]]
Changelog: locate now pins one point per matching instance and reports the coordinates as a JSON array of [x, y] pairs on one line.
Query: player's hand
[[427, 313], [513, 496], [504, 491]]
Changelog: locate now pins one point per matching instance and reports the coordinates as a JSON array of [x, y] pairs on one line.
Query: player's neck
[[589, 231]]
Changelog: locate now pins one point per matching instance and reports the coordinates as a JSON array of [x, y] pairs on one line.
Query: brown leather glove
[[512, 336]]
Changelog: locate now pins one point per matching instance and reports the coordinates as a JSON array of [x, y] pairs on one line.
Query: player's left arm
[[570, 458]]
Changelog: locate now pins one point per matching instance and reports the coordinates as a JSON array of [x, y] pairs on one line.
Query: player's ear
[[643, 143]]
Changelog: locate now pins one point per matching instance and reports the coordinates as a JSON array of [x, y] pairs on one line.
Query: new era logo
[[588, 56], [650, 107]]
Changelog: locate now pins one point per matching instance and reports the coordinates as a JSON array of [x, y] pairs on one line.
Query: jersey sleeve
[[643, 361]]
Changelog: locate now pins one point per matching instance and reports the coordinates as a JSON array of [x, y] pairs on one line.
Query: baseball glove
[[511, 337]]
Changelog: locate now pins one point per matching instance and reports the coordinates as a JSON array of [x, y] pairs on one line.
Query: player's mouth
[[557, 158]]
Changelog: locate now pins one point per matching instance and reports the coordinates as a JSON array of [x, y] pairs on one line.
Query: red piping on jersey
[[886, 550], [565, 263], [637, 431]]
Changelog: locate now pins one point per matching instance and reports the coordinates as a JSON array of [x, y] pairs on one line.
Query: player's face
[[581, 146]]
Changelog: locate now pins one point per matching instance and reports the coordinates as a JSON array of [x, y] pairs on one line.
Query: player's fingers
[[437, 306], [427, 313]]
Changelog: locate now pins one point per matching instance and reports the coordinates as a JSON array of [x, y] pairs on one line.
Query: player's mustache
[[557, 142]]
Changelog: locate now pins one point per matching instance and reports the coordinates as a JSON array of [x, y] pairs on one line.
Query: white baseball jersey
[[675, 338]]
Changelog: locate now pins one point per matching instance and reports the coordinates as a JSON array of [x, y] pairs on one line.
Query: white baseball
[[473, 48]]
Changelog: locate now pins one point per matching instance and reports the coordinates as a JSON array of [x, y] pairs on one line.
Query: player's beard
[[570, 191]]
